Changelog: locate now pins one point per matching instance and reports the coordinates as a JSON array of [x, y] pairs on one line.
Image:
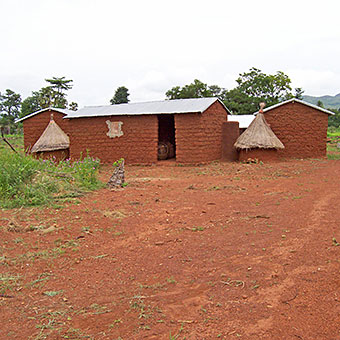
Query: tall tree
[[56, 91], [121, 96], [60, 85], [254, 87], [334, 120], [29, 105], [53, 95], [10, 103], [299, 93], [239, 102], [196, 89], [46, 97]]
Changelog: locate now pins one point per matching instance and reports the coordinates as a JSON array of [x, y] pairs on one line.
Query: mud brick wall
[[138, 144], [199, 135], [230, 133], [36, 125], [301, 129]]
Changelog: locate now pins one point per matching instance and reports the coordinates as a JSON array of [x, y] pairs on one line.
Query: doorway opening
[[166, 137]]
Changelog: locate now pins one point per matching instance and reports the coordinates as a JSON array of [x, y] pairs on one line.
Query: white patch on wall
[[115, 129]]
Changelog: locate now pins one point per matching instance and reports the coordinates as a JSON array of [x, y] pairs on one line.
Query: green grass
[[333, 152], [17, 141], [333, 156], [333, 132], [27, 181]]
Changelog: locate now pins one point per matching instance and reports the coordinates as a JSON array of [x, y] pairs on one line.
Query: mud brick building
[[199, 130], [300, 126], [290, 129], [133, 131]]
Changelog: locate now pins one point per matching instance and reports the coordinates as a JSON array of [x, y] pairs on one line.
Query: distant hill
[[332, 102]]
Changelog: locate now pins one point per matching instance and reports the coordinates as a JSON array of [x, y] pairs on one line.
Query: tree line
[[253, 87], [54, 94], [12, 106]]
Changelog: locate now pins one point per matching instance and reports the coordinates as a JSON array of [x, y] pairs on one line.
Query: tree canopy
[[10, 104], [196, 89], [60, 84], [53, 95], [252, 88], [335, 119], [121, 96], [29, 105]]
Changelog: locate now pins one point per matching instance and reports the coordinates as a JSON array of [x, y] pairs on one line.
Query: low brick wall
[[230, 133], [36, 125], [301, 129]]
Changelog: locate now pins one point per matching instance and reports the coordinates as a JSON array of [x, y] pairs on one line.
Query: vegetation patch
[[27, 181], [333, 144]]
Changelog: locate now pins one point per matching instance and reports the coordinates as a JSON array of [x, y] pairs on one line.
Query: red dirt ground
[[221, 251]]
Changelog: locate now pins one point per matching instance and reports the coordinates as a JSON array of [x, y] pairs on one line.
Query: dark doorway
[[166, 137]]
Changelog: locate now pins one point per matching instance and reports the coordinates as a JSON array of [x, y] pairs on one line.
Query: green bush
[[333, 131], [26, 181]]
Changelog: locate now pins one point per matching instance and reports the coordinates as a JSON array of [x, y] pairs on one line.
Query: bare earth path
[[222, 251]]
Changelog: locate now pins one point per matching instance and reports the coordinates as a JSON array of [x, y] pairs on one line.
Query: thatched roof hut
[[258, 135], [258, 140], [52, 139]]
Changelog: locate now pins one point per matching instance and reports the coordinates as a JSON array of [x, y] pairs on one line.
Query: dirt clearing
[[221, 251]]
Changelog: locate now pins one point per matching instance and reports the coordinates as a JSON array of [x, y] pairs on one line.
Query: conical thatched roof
[[53, 138], [258, 135]]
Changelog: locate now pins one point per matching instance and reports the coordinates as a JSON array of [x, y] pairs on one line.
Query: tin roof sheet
[[243, 120], [193, 105], [64, 111]]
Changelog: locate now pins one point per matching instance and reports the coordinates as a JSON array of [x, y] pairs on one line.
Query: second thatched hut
[[258, 141], [53, 143]]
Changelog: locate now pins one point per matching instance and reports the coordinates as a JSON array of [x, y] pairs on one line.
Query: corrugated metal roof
[[147, 108], [298, 101], [243, 120], [64, 111]]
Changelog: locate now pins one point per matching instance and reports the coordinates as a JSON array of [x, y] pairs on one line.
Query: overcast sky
[[150, 46]]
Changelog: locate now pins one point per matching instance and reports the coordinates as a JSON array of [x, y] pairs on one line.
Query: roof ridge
[[167, 106], [152, 101], [292, 100], [62, 111]]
